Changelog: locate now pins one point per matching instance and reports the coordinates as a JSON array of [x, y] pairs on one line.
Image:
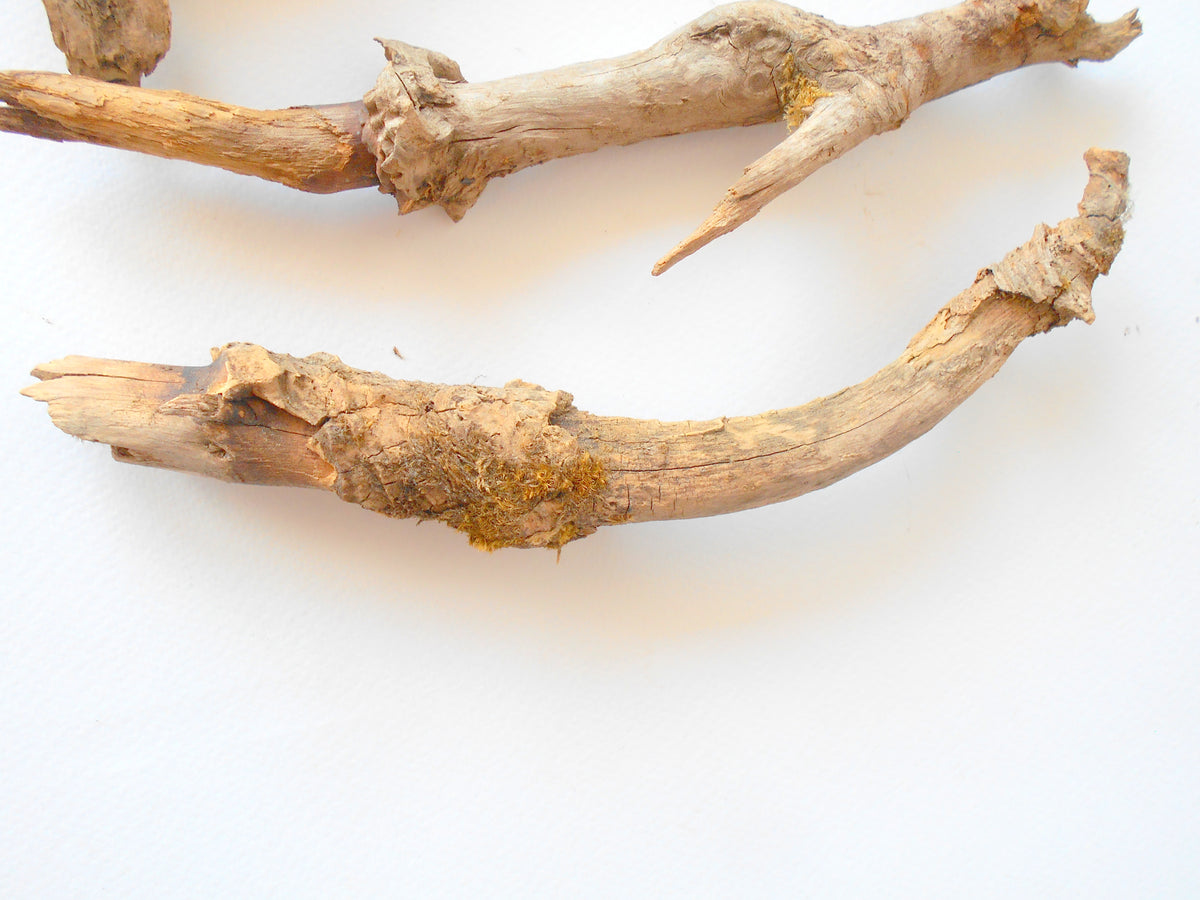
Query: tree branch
[[520, 465], [430, 138], [316, 149]]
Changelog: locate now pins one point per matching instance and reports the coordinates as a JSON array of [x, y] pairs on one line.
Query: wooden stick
[[520, 466], [112, 40], [427, 136], [315, 149]]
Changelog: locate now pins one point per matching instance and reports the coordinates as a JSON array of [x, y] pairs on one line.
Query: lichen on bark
[[489, 462]]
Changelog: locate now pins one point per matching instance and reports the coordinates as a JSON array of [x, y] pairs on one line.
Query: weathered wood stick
[[428, 137], [520, 466], [112, 40], [313, 148]]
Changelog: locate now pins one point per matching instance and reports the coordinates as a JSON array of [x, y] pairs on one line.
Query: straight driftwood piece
[[520, 465], [112, 40], [430, 138]]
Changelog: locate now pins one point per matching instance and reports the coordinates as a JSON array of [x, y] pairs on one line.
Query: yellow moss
[[797, 93], [533, 486], [1027, 16], [496, 501], [505, 493]]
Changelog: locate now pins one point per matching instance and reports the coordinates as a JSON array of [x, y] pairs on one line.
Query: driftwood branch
[[520, 465], [112, 40], [427, 136], [315, 149]]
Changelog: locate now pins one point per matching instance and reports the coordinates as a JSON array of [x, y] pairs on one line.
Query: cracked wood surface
[[111, 40], [520, 465], [429, 137], [312, 148]]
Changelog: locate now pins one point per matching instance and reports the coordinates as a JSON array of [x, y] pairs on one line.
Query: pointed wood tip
[[34, 392], [43, 391], [725, 218]]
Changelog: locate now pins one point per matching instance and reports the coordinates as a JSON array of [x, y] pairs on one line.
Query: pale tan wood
[[112, 40], [143, 411], [520, 465], [429, 137], [315, 149]]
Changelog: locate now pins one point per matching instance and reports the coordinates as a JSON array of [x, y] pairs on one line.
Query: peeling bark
[[112, 40], [430, 138], [520, 465]]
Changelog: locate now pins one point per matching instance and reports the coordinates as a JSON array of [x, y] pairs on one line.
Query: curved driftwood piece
[[520, 466], [112, 40], [427, 136]]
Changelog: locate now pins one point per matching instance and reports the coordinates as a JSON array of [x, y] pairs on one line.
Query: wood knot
[[490, 462], [410, 127]]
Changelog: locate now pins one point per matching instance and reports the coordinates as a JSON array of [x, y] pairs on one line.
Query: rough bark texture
[[427, 136], [314, 149], [112, 40], [520, 465]]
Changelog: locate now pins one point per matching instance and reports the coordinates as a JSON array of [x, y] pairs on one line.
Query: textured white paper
[[969, 671]]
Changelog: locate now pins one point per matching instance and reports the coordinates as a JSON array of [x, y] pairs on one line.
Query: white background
[[969, 671]]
